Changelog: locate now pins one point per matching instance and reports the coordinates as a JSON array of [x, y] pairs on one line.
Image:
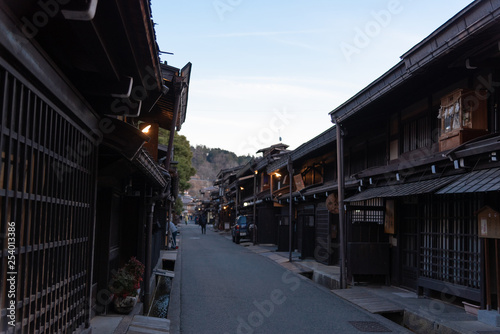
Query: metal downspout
[[148, 266], [150, 207]]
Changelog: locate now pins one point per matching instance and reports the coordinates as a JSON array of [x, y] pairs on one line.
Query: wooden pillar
[[487, 274], [340, 186], [170, 147]]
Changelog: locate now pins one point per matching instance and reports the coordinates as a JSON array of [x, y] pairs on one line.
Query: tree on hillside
[[200, 153], [209, 161]]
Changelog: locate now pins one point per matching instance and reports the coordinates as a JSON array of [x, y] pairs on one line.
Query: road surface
[[226, 289]]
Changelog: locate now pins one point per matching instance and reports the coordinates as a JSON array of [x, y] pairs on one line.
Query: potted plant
[[136, 269], [125, 285]]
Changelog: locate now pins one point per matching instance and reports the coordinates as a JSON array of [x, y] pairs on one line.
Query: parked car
[[240, 229]]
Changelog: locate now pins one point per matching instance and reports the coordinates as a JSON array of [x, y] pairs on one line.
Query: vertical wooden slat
[[31, 210], [3, 211], [85, 232], [62, 237], [42, 302], [454, 244], [67, 236], [56, 219], [24, 232], [45, 300], [3, 118], [75, 236], [477, 259], [487, 274], [80, 178], [59, 219], [463, 258], [52, 221], [497, 267], [13, 180], [38, 213], [72, 262], [71, 246]]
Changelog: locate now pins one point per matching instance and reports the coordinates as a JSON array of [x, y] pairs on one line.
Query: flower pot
[[124, 305]]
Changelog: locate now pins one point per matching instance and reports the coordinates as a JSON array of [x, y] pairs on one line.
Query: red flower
[[127, 280]]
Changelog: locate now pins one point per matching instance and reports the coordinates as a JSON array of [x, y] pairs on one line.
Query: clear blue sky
[[265, 69]]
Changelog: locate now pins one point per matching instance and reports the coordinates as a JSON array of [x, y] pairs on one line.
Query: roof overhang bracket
[[81, 15]]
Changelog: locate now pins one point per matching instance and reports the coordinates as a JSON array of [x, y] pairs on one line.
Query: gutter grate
[[370, 327]]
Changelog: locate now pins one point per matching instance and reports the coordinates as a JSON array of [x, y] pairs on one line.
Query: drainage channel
[[396, 316], [307, 274], [161, 298]]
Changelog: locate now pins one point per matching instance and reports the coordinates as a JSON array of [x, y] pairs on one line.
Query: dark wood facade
[[49, 197], [76, 185], [313, 185], [255, 186], [225, 201], [411, 139]]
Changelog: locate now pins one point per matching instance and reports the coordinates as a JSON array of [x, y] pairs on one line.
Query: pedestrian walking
[[173, 230], [203, 223]]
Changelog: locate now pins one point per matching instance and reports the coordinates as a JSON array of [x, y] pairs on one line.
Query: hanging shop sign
[[488, 223]]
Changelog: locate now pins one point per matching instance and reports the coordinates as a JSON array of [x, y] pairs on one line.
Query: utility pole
[[290, 212], [254, 233]]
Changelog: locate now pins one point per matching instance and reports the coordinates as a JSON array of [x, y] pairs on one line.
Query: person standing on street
[[203, 223], [173, 230]]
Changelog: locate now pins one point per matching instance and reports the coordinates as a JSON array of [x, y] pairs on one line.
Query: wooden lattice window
[[416, 134], [371, 210], [450, 247], [47, 190]]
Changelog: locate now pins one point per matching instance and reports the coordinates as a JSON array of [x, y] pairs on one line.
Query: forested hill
[[209, 161]]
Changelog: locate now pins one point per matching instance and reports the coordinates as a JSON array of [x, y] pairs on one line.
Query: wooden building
[[77, 179], [421, 143], [253, 193], [314, 184], [224, 201]]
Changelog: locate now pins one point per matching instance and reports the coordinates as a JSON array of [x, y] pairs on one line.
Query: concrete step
[[148, 325], [368, 301]]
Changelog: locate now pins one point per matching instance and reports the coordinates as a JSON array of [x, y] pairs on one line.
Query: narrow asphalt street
[[226, 288]]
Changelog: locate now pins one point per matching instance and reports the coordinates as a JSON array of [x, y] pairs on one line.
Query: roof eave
[[453, 33]]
